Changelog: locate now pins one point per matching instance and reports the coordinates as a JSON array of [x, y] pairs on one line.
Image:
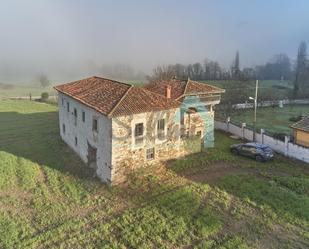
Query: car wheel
[[235, 152], [259, 158]]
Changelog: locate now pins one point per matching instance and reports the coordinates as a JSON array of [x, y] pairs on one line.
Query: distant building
[[301, 132], [116, 127]]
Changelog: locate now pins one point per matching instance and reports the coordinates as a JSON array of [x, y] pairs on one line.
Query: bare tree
[[44, 81]]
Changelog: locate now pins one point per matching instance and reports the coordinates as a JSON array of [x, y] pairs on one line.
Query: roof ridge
[[184, 91], [118, 103], [201, 83], [116, 81], [158, 94]]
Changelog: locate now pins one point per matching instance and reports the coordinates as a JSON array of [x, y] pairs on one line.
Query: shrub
[[44, 96], [279, 136], [296, 118]]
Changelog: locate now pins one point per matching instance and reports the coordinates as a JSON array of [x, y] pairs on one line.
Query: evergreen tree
[[301, 70]]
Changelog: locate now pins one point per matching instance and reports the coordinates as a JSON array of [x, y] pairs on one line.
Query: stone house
[[115, 127]]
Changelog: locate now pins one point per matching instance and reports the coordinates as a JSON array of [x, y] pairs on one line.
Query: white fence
[[267, 103], [286, 148]]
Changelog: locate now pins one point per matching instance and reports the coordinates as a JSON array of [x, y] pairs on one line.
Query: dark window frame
[[139, 133], [150, 153], [75, 116], [68, 106], [161, 128], [95, 124], [83, 116]]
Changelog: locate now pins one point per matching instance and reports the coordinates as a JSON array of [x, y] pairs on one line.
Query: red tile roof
[[139, 100], [181, 88], [194, 87], [159, 86], [114, 98]]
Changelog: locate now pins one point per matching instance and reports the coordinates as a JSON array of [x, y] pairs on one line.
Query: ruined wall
[[84, 133], [127, 156], [201, 122]]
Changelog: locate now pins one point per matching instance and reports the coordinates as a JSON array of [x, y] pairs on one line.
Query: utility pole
[[255, 109]]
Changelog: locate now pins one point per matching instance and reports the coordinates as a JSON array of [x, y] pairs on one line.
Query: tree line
[[279, 67]]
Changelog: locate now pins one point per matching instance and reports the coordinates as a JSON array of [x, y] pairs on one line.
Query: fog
[[71, 39]]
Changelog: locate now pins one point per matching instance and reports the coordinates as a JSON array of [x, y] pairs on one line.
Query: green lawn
[[274, 120], [24, 90], [269, 89], [213, 199]]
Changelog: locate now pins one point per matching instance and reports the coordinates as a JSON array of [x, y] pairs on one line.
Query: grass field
[[269, 89], [24, 90], [213, 199], [274, 120]]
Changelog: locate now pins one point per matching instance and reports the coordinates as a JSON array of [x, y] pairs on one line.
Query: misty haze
[[154, 124], [67, 40]]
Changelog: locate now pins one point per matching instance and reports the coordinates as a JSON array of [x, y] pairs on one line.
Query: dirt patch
[[218, 170]]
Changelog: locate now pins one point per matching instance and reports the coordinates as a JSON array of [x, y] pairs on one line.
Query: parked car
[[260, 152]]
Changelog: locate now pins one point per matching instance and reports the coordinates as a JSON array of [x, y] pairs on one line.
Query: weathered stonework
[[127, 156], [117, 153]]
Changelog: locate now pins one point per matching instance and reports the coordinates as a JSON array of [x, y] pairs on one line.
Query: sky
[[66, 39]]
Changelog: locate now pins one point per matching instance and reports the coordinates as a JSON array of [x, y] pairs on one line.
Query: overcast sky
[[62, 37]]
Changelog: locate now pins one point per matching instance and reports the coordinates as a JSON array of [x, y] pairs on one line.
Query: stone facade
[[128, 154], [118, 152]]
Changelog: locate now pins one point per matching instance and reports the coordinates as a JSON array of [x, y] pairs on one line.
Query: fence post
[[262, 135], [228, 120], [243, 126], [286, 145]]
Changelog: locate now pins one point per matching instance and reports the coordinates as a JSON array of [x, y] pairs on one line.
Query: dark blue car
[[260, 152]]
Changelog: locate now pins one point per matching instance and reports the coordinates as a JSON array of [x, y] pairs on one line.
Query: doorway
[[92, 156]]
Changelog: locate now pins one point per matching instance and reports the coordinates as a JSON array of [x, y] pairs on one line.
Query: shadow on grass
[[35, 136]]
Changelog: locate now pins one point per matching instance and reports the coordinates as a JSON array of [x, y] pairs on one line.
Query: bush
[[279, 136], [44, 96], [296, 118]]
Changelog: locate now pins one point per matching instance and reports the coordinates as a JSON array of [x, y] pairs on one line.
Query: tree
[[44, 81], [236, 73], [197, 70], [162, 73], [301, 70]]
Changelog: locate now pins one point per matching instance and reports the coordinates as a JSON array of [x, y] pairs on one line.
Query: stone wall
[[126, 156], [84, 133]]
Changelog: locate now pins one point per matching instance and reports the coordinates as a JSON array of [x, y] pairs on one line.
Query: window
[[76, 141], [83, 116], [161, 128], [68, 106], [138, 133], [95, 125], [63, 128], [62, 101], [199, 134], [150, 154], [75, 116]]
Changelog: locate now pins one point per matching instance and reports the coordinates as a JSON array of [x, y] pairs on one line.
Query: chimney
[[168, 91]]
